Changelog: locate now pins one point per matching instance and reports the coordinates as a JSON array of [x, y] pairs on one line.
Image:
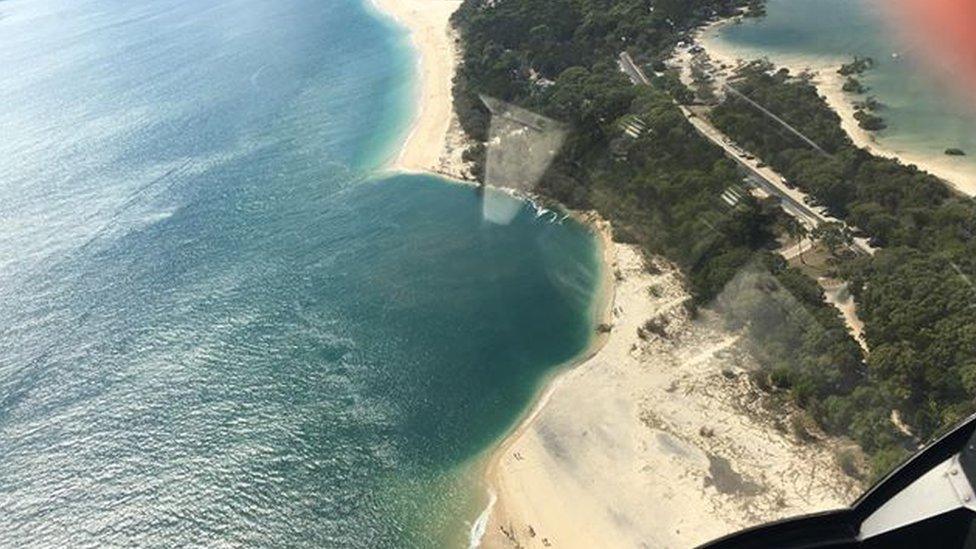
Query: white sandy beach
[[435, 142], [957, 171], [655, 441]]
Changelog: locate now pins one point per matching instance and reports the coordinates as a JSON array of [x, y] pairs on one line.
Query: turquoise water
[[218, 325], [925, 115]]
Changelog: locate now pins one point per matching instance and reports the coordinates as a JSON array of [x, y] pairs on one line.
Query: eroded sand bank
[[657, 440]]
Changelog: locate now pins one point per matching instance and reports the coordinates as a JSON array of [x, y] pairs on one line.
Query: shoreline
[[829, 83], [434, 141], [601, 314], [434, 145]]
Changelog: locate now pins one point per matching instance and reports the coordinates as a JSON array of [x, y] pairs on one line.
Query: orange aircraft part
[[946, 32]]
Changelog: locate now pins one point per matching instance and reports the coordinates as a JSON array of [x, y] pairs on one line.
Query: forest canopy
[[660, 189]]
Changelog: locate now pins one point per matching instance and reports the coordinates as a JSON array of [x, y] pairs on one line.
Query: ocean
[[925, 113], [221, 323]]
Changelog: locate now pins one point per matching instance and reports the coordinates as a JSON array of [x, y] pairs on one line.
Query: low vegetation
[[858, 66], [853, 85], [868, 121]]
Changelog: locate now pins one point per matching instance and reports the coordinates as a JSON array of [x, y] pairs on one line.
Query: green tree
[[834, 236], [797, 232]]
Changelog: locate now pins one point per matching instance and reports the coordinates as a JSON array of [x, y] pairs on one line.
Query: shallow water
[[218, 324]]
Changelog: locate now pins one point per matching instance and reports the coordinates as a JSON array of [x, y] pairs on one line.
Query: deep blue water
[[218, 324]]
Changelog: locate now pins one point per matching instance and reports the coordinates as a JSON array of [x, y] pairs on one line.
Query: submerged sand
[[656, 440]]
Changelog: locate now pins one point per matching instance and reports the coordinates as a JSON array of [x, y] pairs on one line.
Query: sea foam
[[481, 523]]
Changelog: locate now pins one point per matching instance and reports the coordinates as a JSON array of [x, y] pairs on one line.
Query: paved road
[[765, 178], [791, 200], [631, 69]]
